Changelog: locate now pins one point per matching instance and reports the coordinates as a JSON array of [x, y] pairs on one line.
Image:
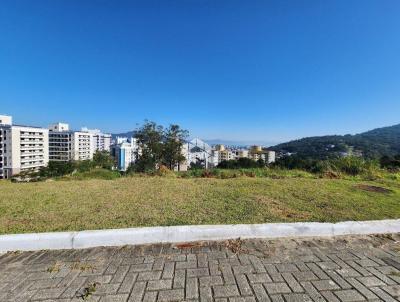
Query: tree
[[174, 138], [241, 163], [199, 164], [158, 146], [55, 168], [261, 163], [150, 142], [103, 159]]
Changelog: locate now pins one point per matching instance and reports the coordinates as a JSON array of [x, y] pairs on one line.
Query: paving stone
[[328, 265], [311, 291], [146, 276], [348, 272], [206, 294], [282, 270], [209, 281], [179, 278], [393, 290], [137, 292], [171, 295], [243, 284], [370, 281], [349, 295], [242, 299], [48, 293], [277, 298], [297, 298], [168, 271], [141, 267], [277, 288], [293, 284], [226, 291], [106, 289], [381, 276], [259, 278], [192, 288], [286, 267], [243, 269], [260, 293], [115, 298], [119, 275], [190, 264], [315, 268], [325, 285], [329, 296], [198, 272], [127, 283], [159, 284], [305, 276], [366, 263], [383, 295], [362, 289], [338, 280]]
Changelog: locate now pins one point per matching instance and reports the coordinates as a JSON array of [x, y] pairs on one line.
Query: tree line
[[158, 146]]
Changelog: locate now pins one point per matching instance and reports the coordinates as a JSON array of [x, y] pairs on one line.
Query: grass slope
[[151, 201]]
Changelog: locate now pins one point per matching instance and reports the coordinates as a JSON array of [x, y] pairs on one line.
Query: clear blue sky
[[238, 70]]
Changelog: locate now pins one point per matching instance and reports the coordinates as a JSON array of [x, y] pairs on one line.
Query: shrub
[[97, 173]]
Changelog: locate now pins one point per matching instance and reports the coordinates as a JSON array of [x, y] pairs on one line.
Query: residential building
[[258, 152], [22, 148], [101, 141], [124, 153], [67, 145], [197, 152], [121, 139]]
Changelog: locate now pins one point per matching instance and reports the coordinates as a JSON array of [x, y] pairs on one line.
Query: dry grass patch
[[153, 201]]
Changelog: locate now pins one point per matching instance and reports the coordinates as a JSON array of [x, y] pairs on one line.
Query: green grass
[[96, 173], [150, 201]]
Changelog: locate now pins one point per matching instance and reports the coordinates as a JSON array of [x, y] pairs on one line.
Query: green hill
[[370, 144]]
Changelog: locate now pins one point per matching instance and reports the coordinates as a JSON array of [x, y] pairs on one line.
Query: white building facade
[[66, 145], [124, 153], [101, 141], [22, 148], [197, 152]]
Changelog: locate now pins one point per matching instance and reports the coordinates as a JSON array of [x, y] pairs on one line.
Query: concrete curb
[[173, 234]]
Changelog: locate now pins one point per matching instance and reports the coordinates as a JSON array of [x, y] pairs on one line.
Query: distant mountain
[[124, 134], [237, 143], [370, 144], [212, 141]]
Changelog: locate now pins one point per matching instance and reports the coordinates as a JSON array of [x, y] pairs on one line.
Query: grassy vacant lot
[[151, 201]]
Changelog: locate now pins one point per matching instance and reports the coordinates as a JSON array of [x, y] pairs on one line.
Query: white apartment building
[[197, 152], [124, 153], [22, 148], [257, 152], [101, 141], [67, 145]]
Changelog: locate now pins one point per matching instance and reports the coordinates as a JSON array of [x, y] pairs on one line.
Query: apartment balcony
[[36, 139], [31, 152], [32, 159], [32, 135], [38, 147], [32, 164]]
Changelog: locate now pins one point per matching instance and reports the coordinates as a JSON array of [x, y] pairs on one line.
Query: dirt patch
[[234, 245], [331, 175], [278, 209], [189, 245], [375, 189]]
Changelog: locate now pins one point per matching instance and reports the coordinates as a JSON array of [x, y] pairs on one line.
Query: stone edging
[[173, 234]]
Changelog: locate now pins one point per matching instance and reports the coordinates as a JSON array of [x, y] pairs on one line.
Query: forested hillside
[[370, 144]]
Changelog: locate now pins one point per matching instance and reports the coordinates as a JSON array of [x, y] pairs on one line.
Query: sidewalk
[[351, 268]]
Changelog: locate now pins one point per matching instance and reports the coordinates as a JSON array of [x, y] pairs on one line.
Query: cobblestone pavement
[[346, 269]]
